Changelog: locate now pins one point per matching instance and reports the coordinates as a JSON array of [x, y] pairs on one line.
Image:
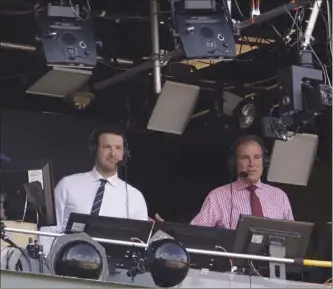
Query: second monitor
[[271, 237]]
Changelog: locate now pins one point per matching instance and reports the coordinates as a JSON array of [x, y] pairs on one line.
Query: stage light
[[168, 262], [246, 113], [79, 256], [246, 118]]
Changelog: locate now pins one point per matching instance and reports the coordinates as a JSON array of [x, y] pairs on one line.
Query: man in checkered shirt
[[223, 205]]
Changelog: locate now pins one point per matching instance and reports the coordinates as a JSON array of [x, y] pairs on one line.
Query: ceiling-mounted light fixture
[[246, 113]]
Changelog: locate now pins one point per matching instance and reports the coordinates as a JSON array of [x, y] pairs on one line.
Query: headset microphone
[[243, 175], [122, 164]]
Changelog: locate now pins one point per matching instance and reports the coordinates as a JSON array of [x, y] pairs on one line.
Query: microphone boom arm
[[270, 14]]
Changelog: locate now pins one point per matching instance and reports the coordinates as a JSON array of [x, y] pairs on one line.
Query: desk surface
[[195, 279], [15, 279]]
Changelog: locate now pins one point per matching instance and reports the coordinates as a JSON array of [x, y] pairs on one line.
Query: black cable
[[126, 188], [231, 204], [228, 16], [231, 195]]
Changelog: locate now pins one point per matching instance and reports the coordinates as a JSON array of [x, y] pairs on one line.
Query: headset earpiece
[[127, 153], [232, 162], [265, 159]]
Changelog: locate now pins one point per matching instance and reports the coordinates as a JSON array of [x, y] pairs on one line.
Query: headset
[[114, 129], [232, 161]]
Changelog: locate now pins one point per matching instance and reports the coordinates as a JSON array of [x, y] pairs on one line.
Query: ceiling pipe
[[121, 61], [32, 48], [17, 46]]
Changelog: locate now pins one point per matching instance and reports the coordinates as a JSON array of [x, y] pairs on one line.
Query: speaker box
[[292, 161], [69, 49], [208, 36], [67, 40], [174, 107]]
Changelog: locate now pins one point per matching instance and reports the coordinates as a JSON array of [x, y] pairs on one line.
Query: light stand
[[306, 52], [229, 4], [155, 40]]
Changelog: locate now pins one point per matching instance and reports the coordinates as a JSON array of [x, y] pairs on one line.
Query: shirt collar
[[97, 176], [241, 184]]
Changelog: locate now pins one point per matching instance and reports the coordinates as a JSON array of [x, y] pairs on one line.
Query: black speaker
[[205, 36], [67, 39], [290, 80]]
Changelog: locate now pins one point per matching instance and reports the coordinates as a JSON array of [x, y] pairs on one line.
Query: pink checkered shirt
[[216, 209]]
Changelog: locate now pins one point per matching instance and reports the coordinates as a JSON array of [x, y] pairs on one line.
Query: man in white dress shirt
[[79, 193]]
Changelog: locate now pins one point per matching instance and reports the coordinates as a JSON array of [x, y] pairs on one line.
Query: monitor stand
[[278, 250]]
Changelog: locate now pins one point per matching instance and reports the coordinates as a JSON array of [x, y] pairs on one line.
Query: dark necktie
[[98, 198], [255, 202]]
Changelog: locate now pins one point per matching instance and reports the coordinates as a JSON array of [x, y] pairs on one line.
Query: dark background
[[175, 173]]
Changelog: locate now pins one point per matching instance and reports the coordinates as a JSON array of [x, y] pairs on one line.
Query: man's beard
[[108, 168]]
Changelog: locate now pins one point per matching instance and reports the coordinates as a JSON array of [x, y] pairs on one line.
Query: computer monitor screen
[[29, 192], [255, 234], [204, 238], [116, 229]]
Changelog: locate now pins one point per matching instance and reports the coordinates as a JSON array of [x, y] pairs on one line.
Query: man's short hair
[[246, 139], [110, 128]]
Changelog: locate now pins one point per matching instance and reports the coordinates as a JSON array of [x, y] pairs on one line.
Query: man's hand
[[157, 218]]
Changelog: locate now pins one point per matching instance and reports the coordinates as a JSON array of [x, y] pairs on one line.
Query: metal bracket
[[277, 270]]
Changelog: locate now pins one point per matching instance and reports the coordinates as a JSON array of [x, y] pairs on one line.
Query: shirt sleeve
[[288, 213], [140, 212], [209, 214], [60, 195]]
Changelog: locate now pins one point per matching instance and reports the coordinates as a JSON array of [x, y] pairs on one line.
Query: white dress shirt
[[76, 194]]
